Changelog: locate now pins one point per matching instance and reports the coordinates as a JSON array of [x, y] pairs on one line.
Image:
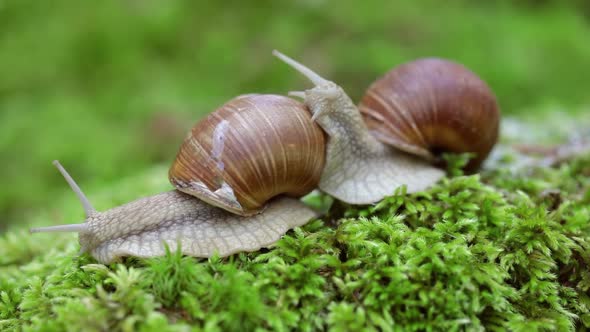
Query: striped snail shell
[[249, 150], [432, 105]]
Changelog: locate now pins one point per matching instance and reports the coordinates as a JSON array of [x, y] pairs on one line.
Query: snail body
[[141, 228], [428, 106]]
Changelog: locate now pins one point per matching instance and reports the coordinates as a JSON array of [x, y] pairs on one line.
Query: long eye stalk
[[310, 74], [78, 228], [88, 209]]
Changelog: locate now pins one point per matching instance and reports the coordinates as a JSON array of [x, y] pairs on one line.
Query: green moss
[[500, 250]]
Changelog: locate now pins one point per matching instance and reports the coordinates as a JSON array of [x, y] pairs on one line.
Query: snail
[[243, 157], [428, 106], [359, 168]]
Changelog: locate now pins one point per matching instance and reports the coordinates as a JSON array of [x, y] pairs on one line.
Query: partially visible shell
[[249, 150], [431, 105]]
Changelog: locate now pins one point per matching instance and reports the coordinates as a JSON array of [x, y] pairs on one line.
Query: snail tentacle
[[88, 208], [310, 74], [77, 228]]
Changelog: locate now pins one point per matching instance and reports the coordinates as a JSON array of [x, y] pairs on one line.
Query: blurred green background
[[110, 87]]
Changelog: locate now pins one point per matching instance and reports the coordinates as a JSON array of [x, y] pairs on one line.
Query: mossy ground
[[506, 249]]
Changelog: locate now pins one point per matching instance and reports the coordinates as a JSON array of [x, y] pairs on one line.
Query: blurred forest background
[[110, 87]]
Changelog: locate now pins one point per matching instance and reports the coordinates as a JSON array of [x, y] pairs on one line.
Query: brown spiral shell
[[432, 105], [249, 150]]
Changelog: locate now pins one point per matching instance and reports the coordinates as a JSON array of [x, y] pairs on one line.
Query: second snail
[[236, 168]]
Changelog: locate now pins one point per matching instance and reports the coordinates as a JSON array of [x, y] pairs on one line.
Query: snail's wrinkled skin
[[144, 227]]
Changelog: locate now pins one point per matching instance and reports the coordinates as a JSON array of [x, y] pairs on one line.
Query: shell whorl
[[249, 150], [432, 105]]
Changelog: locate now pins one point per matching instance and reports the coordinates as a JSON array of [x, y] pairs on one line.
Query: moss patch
[[507, 249]]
